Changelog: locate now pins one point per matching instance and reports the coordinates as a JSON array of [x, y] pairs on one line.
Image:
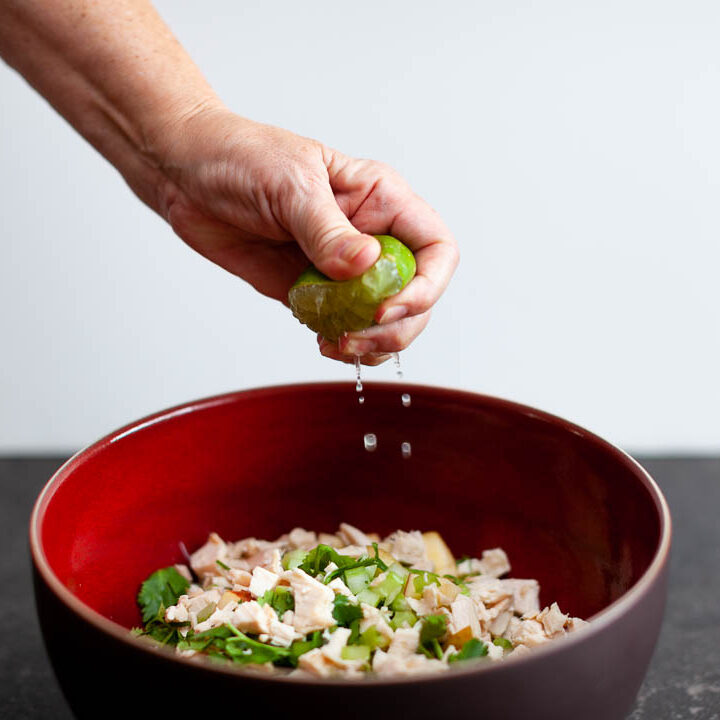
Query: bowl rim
[[598, 622]]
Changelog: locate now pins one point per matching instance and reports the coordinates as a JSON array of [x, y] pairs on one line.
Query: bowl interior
[[569, 509]]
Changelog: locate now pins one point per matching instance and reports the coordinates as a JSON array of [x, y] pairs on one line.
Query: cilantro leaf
[[321, 556], [300, 647], [161, 590], [472, 649], [280, 600], [433, 628], [244, 650], [345, 612]]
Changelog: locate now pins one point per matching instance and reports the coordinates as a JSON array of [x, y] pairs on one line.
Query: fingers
[[329, 239], [330, 350], [377, 341]]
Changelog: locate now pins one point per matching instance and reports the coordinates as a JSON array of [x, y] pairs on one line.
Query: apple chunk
[[439, 554]]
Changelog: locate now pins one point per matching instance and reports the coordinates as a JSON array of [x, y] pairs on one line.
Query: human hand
[[263, 203]]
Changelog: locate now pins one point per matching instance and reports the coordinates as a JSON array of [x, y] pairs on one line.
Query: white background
[[573, 147]]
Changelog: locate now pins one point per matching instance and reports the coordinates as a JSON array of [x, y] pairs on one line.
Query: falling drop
[[406, 449], [396, 360], [358, 379], [370, 442], [361, 399], [406, 399]]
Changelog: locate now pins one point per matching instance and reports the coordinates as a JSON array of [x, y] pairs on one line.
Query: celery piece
[[400, 604], [357, 579], [355, 652], [504, 643], [206, 612], [399, 570], [389, 587], [293, 559], [373, 639], [369, 597], [403, 618]]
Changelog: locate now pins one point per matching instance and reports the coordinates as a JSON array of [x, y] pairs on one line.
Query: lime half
[[332, 307]]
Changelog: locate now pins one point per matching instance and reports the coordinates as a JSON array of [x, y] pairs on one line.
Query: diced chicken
[[204, 560], [340, 588], [401, 657], [353, 550], [495, 652], [251, 546], [553, 620], [239, 577], [327, 661], [499, 624], [352, 536], [494, 563], [275, 564], [575, 623], [463, 614], [526, 632], [330, 539], [303, 539], [253, 618], [262, 581], [525, 594], [429, 601], [219, 617], [315, 663], [177, 613], [409, 548], [372, 617], [488, 590], [261, 558], [313, 602], [282, 634]]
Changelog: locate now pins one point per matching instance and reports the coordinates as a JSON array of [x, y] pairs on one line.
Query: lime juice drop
[[370, 441]]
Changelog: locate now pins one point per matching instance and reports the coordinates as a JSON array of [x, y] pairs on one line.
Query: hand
[[263, 203]]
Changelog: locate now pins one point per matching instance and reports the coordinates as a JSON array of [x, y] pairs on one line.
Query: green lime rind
[[331, 307]]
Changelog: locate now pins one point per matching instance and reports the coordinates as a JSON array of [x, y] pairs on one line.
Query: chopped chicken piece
[[499, 624], [463, 614], [275, 564], [574, 624], [401, 657], [253, 618], [526, 632], [204, 560], [303, 539], [525, 594], [339, 587], [409, 548], [330, 539], [353, 550], [283, 634], [495, 652], [352, 536], [429, 601], [494, 563], [553, 621], [239, 577], [262, 581], [372, 617], [313, 602], [488, 590]]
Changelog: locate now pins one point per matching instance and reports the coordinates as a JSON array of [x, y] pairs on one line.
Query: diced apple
[[384, 555], [439, 554], [459, 638]]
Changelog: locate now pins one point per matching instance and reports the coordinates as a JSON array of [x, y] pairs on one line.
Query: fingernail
[[358, 346], [392, 314]]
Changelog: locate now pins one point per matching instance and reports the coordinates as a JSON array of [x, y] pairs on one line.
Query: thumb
[[331, 242]]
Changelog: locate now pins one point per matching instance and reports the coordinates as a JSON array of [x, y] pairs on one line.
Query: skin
[[257, 200]]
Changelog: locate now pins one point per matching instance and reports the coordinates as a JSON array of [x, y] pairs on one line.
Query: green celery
[[355, 652], [369, 597], [357, 579], [293, 559]]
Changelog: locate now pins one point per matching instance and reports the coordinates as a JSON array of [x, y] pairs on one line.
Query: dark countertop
[[683, 680]]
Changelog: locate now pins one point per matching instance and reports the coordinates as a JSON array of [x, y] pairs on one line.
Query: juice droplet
[[370, 442], [361, 399], [406, 449], [406, 399], [358, 379], [396, 360]]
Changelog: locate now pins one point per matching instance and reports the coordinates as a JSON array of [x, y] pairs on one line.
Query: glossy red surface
[[568, 508]]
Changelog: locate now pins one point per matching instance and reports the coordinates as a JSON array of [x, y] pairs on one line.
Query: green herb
[[244, 650], [280, 600], [300, 647], [433, 628], [161, 590], [363, 562], [221, 564], [383, 566], [345, 612], [321, 556], [472, 649], [504, 643]]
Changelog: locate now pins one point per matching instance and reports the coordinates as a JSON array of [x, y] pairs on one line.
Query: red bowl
[[570, 509]]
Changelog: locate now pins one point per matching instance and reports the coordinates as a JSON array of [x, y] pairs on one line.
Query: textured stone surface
[[683, 681]]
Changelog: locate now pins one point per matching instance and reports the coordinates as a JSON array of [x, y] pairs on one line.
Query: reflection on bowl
[[569, 508]]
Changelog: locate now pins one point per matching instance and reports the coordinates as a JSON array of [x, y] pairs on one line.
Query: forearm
[[114, 70]]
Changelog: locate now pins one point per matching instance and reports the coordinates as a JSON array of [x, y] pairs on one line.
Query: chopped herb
[[280, 600], [345, 612], [504, 643], [433, 628], [383, 566], [363, 562], [221, 564], [244, 650], [472, 649], [161, 590], [300, 647], [321, 556]]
